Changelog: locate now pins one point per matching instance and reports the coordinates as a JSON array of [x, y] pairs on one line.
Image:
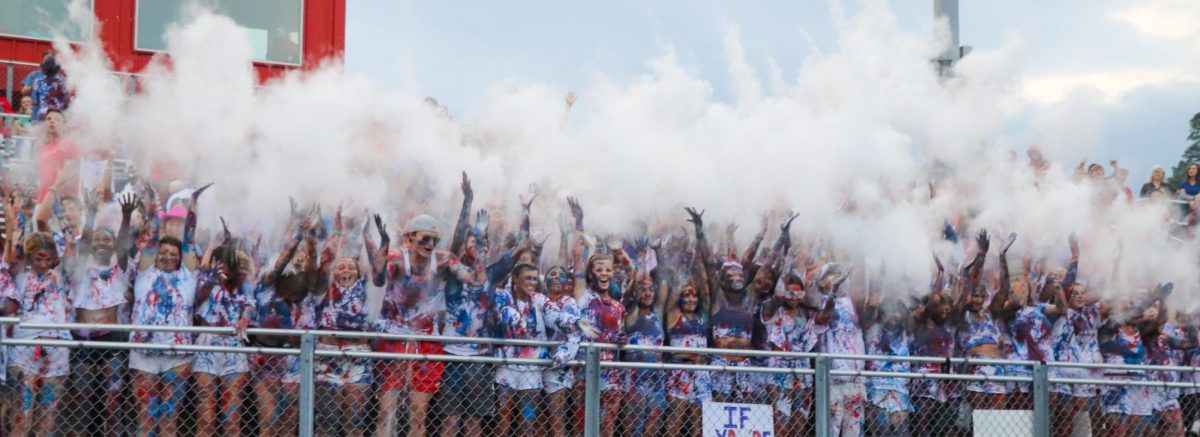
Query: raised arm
[[1073, 268], [189, 229], [526, 206], [464, 216], [752, 250], [377, 257], [125, 244], [1001, 305], [704, 257], [15, 202]]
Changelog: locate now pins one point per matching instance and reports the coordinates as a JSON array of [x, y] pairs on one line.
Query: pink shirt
[[51, 160]]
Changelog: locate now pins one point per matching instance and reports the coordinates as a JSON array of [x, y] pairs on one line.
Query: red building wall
[[324, 37]]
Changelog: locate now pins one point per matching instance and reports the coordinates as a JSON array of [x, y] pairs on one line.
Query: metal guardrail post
[[308, 344], [1041, 401], [591, 401], [821, 380], [3, 336], [8, 84]]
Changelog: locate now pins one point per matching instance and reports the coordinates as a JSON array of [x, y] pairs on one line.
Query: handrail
[[537, 343]]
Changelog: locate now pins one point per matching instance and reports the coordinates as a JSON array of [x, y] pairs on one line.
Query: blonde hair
[[1150, 179], [40, 241]]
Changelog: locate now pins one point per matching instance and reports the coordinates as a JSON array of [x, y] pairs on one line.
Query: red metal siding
[[324, 37]]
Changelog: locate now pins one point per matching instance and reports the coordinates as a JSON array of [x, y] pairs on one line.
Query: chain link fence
[[335, 384]]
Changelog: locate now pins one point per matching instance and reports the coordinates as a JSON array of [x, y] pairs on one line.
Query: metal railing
[[808, 385]]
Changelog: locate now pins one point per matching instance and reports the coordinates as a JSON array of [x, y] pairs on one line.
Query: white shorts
[[220, 363], [554, 380], [47, 362], [156, 364], [516, 379]]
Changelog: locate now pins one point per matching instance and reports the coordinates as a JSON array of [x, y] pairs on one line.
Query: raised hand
[[482, 220], [382, 229], [1073, 241], [787, 225], [227, 236], [529, 203], [696, 218], [576, 210], [91, 201], [983, 241], [196, 194], [128, 202], [938, 262], [467, 191], [1008, 242]]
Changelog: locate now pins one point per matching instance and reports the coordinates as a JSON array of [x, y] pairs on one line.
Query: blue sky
[[1131, 65]]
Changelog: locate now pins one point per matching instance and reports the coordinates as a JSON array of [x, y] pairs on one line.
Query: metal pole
[[1041, 401], [591, 401], [8, 84], [308, 344], [821, 378]]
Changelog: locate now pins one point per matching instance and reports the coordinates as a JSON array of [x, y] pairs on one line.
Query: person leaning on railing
[[99, 278], [33, 287], [285, 300], [341, 306], [164, 292]]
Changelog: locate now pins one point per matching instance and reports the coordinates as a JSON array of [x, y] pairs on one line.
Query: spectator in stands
[[22, 127], [164, 292], [56, 151], [49, 90], [1190, 186], [33, 287], [98, 278], [1157, 182], [341, 306], [222, 300], [27, 82]]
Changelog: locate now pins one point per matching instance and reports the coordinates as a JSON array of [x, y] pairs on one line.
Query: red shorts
[[419, 376]]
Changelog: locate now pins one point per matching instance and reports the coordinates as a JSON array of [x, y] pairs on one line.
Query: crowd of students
[[145, 266]]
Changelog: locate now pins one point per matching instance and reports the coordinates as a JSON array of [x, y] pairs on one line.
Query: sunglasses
[[429, 240]]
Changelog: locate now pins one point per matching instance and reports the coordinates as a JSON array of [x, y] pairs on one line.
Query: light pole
[[952, 52]]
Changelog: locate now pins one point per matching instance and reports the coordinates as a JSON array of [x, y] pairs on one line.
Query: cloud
[[1163, 19], [1112, 85]]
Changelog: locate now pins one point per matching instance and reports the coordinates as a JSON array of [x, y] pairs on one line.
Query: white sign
[[737, 420], [997, 423]]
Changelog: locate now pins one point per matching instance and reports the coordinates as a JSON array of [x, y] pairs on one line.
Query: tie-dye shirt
[[163, 299], [978, 329], [1074, 336], [892, 343], [1030, 330], [40, 299], [788, 333], [562, 318], [466, 316], [606, 318], [840, 335], [1124, 347], [97, 287], [273, 312], [223, 308], [414, 295], [343, 308], [522, 320]]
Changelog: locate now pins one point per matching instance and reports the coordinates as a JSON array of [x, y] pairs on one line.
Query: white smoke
[[848, 142]]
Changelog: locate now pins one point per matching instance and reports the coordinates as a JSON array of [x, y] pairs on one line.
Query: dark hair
[[55, 110], [522, 268], [171, 241]]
